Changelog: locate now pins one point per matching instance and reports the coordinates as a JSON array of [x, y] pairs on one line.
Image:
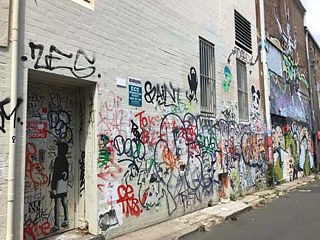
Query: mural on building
[[293, 150], [282, 103], [170, 159]]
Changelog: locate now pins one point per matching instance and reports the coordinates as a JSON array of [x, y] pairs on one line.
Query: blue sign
[[135, 92]]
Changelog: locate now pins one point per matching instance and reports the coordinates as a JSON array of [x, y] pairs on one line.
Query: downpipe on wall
[[265, 68], [313, 124], [265, 83], [12, 144]]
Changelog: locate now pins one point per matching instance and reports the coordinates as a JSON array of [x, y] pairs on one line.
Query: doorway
[[51, 171]]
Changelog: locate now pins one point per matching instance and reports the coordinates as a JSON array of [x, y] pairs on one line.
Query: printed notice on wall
[[37, 129], [135, 92]]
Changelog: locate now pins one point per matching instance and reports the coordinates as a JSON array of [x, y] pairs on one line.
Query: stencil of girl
[[59, 185]]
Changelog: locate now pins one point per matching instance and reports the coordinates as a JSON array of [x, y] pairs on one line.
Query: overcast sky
[[313, 17]]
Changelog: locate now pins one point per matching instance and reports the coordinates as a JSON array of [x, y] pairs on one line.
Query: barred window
[[207, 77], [242, 91]]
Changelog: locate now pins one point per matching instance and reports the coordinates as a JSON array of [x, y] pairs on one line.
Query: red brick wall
[[296, 21]]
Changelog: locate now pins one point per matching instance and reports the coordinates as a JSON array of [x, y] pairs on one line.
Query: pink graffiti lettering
[[112, 117]]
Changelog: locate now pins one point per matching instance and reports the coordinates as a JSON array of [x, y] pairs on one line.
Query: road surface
[[295, 216]]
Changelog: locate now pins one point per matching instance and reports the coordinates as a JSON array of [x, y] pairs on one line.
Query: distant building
[[314, 76], [292, 128]]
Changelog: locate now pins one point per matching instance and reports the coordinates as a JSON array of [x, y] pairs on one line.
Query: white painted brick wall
[[152, 41], [4, 137], [4, 23]]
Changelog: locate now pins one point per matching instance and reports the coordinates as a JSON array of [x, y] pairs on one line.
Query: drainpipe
[[313, 124], [266, 87], [12, 144], [265, 68]]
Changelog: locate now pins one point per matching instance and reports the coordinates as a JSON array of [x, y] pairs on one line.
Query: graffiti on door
[[48, 173]]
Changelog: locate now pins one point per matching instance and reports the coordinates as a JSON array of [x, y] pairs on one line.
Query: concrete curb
[[248, 208], [222, 220], [184, 225], [258, 199]]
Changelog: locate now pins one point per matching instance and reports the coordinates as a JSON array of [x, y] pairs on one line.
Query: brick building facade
[[292, 128], [314, 76]]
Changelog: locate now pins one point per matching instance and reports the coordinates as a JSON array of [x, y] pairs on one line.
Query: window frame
[[242, 88], [207, 77]]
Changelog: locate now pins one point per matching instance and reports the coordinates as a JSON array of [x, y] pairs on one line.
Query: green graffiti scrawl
[[292, 73], [104, 151]]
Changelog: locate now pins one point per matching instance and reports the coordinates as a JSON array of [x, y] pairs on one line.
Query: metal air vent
[[243, 32]]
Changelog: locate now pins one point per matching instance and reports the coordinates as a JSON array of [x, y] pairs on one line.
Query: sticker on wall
[[135, 92], [37, 129], [121, 82]]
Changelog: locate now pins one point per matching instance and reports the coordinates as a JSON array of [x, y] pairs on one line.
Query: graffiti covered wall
[[282, 103], [287, 68], [169, 160], [154, 155]]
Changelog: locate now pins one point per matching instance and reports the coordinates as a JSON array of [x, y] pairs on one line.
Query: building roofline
[[311, 36], [301, 6]]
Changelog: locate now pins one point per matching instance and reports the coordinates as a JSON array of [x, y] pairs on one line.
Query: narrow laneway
[[293, 216]]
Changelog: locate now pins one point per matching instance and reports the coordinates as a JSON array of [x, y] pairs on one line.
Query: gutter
[[265, 69], [314, 125], [310, 36], [12, 144], [302, 8], [309, 78]]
